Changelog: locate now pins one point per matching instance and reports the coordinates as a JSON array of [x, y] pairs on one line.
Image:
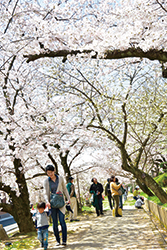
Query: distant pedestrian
[[97, 189], [139, 203], [108, 192], [41, 222], [55, 184], [136, 193], [73, 201], [120, 196], [126, 193], [115, 194]]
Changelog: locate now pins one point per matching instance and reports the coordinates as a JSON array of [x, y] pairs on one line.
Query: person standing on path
[[115, 194], [120, 196], [56, 184], [97, 189], [41, 222], [73, 201], [108, 192]]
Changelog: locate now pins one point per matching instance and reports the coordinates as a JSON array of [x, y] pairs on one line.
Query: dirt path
[[134, 230]]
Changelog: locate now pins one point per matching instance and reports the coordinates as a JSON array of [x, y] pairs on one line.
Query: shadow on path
[[134, 230]]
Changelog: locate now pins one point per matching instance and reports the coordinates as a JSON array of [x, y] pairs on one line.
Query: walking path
[[134, 230]]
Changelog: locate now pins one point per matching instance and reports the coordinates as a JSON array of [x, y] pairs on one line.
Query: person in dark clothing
[[108, 192], [120, 196], [97, 189]]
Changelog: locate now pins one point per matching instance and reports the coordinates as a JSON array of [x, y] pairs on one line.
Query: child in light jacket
[[42, 224]]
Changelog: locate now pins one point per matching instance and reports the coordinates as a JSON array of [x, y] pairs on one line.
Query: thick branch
[[152, 54], [35, 175], [78, 153], [7, 189], [6, 207]]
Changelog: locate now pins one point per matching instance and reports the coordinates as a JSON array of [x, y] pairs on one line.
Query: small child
[[42, 224]]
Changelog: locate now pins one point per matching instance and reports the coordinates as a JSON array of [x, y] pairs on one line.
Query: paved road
[[134, 230]]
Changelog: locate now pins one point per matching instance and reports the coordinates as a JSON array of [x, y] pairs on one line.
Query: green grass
[[23, 241], [87, 209], [161, 179], [130, 202], [153, 199]]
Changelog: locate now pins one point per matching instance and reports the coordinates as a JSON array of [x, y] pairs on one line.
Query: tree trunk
[[22, 215], [20, 207], [144, 188], [22, 204], [65, 165], [143, 177]]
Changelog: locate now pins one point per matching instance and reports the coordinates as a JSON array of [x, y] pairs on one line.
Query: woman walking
[[115, 194], [55, 184]]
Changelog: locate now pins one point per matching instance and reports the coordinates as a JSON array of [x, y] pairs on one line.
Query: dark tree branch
[[75, 156], [11, 19], [161, 5], [152, 54], [35, 175], [6, 207], [51, 158]]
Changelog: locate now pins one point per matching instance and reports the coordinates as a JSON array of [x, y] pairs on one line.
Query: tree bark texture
[[152, 54], [142, 177], [20, 207], [144, 188]]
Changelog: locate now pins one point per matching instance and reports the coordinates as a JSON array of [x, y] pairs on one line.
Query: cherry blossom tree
[[36, 129], [128, 108], [75, 31]]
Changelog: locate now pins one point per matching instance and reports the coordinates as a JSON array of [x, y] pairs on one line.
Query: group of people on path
[[54, 184], [111, 191]]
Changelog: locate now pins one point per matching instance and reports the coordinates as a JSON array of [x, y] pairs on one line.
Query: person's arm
[[106, 189], [90, 189], [65, 191], [72, 190], [102, 189], [46, 192], [115, 186]]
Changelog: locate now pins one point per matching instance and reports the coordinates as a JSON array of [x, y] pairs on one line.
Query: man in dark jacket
[[108, 192], [97, 189]]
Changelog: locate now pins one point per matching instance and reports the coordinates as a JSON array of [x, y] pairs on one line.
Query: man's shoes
[[64, 244], [57, 244], [101, 213], [118, 215], [71, 220]]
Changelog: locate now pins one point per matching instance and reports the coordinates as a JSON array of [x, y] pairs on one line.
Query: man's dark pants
[[100, 207], [109, 200]]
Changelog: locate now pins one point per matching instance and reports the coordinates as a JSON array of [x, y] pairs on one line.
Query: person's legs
[[45, 238], [40, 238], [101, 205], [63, 226], [109, 200], [116, 201], [75, 209], [97, 212], [120, 202], [54, 214], [73, 204]]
